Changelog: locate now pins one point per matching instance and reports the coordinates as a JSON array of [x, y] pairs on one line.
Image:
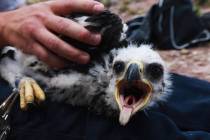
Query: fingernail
[[98, 7], [96, 39], [84, 58]]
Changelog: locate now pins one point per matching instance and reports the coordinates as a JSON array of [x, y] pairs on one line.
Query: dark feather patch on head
[[109, 25], [106, 22]]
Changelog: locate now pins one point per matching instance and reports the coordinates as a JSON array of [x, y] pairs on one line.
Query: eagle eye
[[119, 67], [154, 71], [33, 64]]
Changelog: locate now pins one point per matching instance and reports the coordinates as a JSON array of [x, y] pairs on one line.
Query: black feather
[[112, 27]]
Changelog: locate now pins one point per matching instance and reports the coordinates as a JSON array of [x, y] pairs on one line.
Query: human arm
[[31, 29]]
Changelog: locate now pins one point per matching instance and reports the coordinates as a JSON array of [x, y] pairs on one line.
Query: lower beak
[[132, 93]]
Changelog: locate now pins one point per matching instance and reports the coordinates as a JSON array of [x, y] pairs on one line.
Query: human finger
[[63, 7], [59, 47], [72, 29]]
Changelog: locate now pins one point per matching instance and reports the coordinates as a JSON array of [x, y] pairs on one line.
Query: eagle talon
[[30, 92]]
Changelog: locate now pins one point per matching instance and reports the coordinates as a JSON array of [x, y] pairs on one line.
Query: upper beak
[[133, 72], [133, 92]]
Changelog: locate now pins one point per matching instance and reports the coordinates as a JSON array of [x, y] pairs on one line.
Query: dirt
[[193, 62]]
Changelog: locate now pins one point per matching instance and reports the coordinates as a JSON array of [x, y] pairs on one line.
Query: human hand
[[32, 29]]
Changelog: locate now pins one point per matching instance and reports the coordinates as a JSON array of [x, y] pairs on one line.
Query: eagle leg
[[30, 92]]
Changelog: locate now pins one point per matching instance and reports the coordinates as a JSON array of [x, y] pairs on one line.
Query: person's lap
[[184, 116]]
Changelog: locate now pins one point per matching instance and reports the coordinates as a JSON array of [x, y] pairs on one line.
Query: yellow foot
[[30, 92]]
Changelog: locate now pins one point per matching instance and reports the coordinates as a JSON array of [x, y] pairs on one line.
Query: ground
[[194, 62]]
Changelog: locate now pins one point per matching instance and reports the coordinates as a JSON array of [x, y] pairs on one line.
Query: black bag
[[170, 24]]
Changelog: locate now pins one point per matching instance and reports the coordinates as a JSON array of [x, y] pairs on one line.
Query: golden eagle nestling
[[122, 78]]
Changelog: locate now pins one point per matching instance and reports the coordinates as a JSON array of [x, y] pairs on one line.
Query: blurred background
[[193, 62]]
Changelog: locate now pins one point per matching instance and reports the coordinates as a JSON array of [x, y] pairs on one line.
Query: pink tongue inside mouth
[[127, 109], [129, 101]]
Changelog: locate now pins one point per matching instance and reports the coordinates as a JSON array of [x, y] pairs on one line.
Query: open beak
[[133, 93]]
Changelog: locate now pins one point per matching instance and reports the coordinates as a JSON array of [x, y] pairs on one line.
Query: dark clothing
[[184, 117], [6, 5], [170, 24]]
